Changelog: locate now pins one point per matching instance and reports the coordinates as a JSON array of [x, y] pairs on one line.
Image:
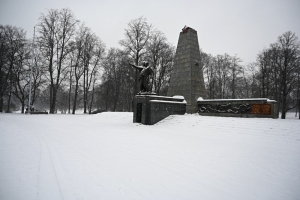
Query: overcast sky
[[241, 27]]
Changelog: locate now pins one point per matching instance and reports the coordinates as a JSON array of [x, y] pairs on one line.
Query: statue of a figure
[[144, 76]]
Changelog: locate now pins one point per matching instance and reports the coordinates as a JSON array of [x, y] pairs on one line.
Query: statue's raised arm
[[136, 67]]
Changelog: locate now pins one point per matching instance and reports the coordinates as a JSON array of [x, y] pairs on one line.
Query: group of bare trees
[[66, 61], [224, 76], [15, 62], [142, 42], [71, 69], [71, 58], [278, 75]]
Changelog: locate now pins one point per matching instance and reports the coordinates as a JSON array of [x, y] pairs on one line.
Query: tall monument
[[187, 75]]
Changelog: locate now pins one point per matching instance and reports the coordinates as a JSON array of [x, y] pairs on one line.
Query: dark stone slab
[[39, 112], [150, 109]]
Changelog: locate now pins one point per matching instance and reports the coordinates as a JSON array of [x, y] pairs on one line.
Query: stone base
[[37, 112], [150, 109]]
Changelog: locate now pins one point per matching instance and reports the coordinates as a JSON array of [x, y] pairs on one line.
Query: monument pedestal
[[150, 109]]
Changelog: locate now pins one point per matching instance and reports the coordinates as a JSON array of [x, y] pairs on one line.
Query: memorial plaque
[[255, 109], [261, 109], [266, 109]]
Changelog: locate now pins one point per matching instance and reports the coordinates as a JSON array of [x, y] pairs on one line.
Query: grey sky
[[242, 27]]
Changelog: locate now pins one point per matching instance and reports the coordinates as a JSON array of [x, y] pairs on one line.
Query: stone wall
[[150, 109], [260, 107]]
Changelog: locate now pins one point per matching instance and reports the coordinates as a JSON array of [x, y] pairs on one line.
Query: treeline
[[274, 75], [72, 69]]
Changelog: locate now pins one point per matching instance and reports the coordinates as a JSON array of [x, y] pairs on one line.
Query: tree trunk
[[84, 91], [69, 101], [107, 97], [75, 98], [8, 102], [51, 111], [23, 107], [92, 100], [53, 93], [115, 102], [283, 115], [233, 87], [283, 111], [299, 108], [1, 103], [70, 90], [54, 101]]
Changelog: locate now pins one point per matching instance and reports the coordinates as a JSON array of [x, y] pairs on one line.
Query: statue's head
[[145, 64]]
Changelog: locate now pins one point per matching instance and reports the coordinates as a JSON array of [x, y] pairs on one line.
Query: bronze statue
[[144, 76]]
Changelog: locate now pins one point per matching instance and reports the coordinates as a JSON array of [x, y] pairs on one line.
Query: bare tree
[[38, 74], [77, 62], [3, 67], [224, 76], [96, 64], [289, 66], [114, 75], [222, 64], [236, 73], [207, 63], [136, 38], [279, 69], [94, 50], [160, 54], [56, 30], [12, 40], [21, 75]]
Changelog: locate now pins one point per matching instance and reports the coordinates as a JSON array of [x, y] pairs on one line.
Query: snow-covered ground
[[106, 156]]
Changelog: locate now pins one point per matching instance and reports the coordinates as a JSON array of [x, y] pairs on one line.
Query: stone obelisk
[[187, 76]]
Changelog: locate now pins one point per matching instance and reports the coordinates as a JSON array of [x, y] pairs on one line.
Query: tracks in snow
[[49, 187]]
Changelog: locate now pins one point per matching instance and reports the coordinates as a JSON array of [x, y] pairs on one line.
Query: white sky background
[[241, 27]]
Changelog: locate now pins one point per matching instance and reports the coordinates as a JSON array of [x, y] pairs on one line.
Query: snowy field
[[106, 156]]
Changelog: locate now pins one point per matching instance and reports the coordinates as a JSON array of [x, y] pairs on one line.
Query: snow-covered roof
[[176, 102], [250, 99]]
